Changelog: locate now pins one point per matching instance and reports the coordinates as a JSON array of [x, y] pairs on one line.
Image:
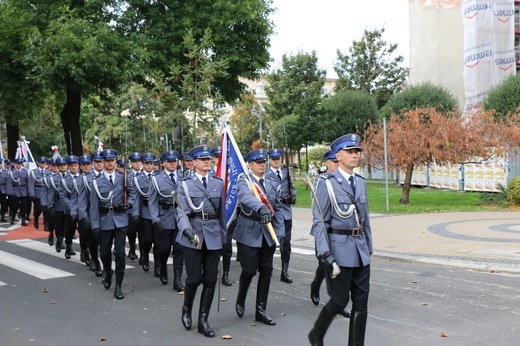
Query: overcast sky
[[328, 25]]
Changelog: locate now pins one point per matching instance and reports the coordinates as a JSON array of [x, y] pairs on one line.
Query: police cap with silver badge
[[330, 155], [275, 153], [72, 159], [96, 156], [200, 152], [61, 161], [170, 155], [120, 163], [215, 151], [42, 159], [7, 162], [19, 160], [85, 159], [186, 157], [135, 156], [109, 154], [257, 155], [346, 142], [147, 157]]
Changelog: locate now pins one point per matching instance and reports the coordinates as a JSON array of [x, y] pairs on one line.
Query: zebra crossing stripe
[[2, 283], [49, 250], [30, 267]]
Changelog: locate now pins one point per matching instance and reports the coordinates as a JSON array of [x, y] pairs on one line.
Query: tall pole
[[386, 167], [260, 117]]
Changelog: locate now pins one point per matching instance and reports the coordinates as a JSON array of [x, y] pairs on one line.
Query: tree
[[349, 111], [504, 99], [425, 135], [245, 127], [371, 66], [422, 95]]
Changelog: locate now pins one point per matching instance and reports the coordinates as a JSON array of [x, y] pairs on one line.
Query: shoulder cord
[[190, 202], [85, 182], [145, 195], [342, 214], [154, 182], [44, 178], [34, 177], [64, 183], [54, 185], [101, 198], [12, 177], [75, 184]]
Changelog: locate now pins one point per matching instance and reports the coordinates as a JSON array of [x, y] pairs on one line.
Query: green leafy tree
[[504, 99], [372, 66], [423, 95]]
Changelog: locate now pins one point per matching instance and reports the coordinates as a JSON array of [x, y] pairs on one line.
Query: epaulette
[[215, 177], [360, 176], [186, 178], [326, 175]]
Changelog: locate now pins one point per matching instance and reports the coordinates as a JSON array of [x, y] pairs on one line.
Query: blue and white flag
[[230, 166], [24, 152]]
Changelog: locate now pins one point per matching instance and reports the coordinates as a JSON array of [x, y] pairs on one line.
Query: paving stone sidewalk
[[487, 241]]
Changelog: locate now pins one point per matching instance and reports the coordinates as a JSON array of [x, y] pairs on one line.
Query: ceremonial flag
[[56, 152], [24, 152], [230, 166], [101, 146]]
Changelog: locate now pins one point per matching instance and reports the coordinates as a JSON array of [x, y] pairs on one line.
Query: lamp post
[[253, 113]]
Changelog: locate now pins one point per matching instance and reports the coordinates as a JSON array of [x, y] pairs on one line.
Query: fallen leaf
[[13, 285], [283, 314], [144, 332], [145, 309], [492, 271], [181, 293], [424, 304], [414, 282], [444, 335], [103, 339], [223, 299], [253, 324], [53, 302], [227, 337], [31, 340], [90, 283], [45, 290]]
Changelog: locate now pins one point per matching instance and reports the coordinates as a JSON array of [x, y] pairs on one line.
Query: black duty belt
[[199, 215], [286, 200], [112, 209], [167, 205], [144, 200], [353, 232], [250, 217]]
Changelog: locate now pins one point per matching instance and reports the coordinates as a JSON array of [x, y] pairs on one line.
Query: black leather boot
[[225, 279], [164, 274], [24, 223], [189, 295], [50, 239], [86, 256], [13, 220], [2, 218], [131, 252], [321, 325], [68, 251], [146, 263], [107, 279], [206, 298], [97, 265], [36, 223], [284, 276], [59, 240], [177, 280], [118, 292], [156, 266], [243, 287], [262, 291], [358, 323], [316, 284]]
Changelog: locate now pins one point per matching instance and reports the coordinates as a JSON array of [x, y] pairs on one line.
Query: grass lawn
[[421, 200]]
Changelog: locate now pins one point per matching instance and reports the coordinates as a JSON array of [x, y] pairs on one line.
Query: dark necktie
[[149, 176], [278, 174], [351, 179], [204, 182], [110, 178], [63, 175], [261, 181], [172, 177]]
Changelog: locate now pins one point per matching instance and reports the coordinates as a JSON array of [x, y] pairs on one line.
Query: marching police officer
[[56, 209], [35, 187], [344, 239], [141, 214], [68, 191], [286, 195], [110, 198], [215, 155], [163, 212], [47, 202], [202, 228], [255, 244], [131, 234], [4, 176], [17, 189], [187, 165]]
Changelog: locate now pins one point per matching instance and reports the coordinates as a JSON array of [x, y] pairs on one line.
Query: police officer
[[202, 226], [141, 214], [47, 203], [97, 164], [187, 165], [255, 244], [17, 189], [121, 166], [332, 164], [35, 187], [215, 155], [280, 178], [110, 199], [4, 176], [56, 209], [164, 218], [135, 163], [83, 205], [347, 242]]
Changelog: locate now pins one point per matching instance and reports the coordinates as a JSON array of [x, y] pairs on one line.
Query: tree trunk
[[70, 121], [405, 197], [13, 132]]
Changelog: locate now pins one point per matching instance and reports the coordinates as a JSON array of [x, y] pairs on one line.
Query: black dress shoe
[[50, 239], [204, 328], [92, 266], [36, 224], [345, 313], [145, 263], [262, 316], [164, 280], [107, 280], [156, 270], [58, 246], [118, 293], [240, 310], [225, 279], [186, 317], [314, 340], [286, 278]]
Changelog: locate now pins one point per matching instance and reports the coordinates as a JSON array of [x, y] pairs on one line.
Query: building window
[[324, 92], [259, 89]]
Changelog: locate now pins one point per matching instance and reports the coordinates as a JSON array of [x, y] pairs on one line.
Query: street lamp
[[253, 113]]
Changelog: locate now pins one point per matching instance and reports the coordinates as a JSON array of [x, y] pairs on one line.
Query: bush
[[493, 198], [423, 95], [505, 97], [513, 191]]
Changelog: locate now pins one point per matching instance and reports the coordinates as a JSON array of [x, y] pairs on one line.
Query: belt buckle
[[356, 231], [204, 216], [111, 209]]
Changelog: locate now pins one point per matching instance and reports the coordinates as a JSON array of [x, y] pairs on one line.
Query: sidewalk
[[485, 241]]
